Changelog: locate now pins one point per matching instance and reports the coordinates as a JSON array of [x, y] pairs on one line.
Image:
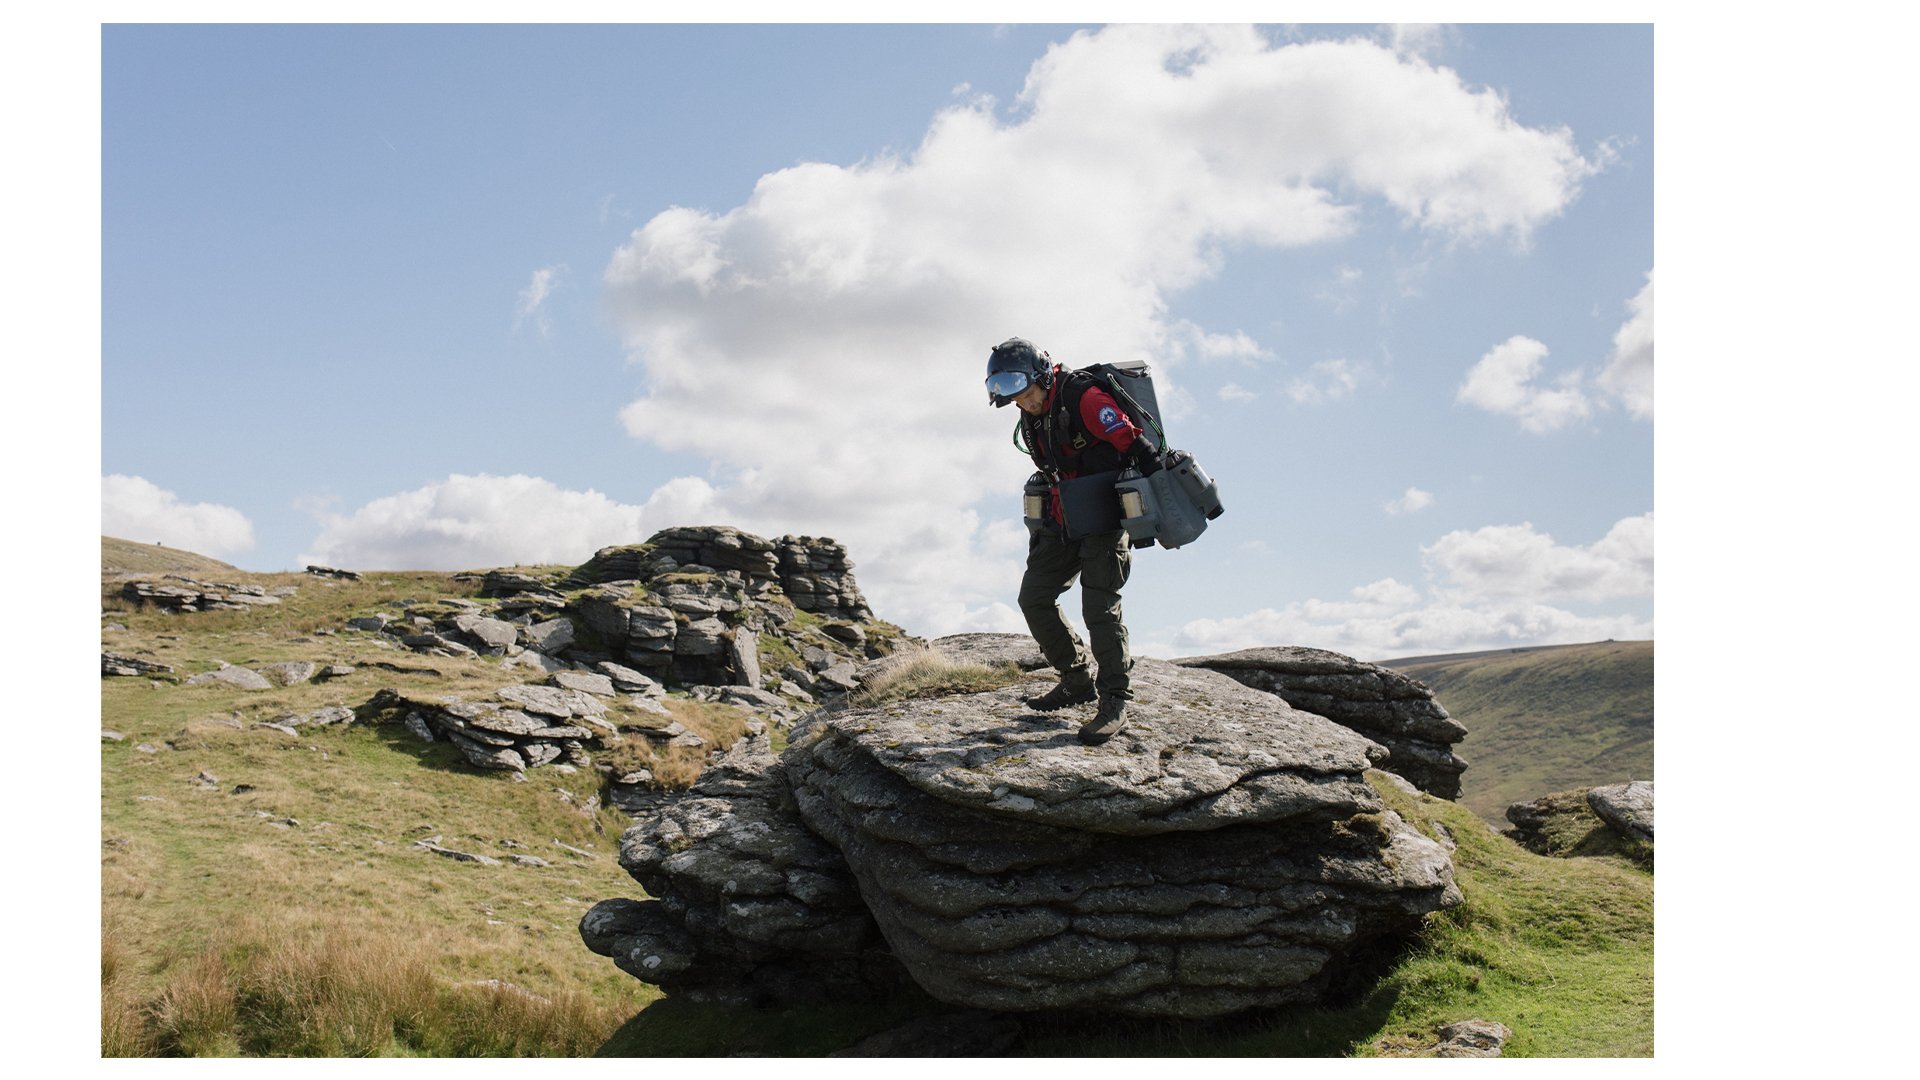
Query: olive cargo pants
[[1101, 562]]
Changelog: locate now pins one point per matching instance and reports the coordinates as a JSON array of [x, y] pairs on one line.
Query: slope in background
[[1545, 719], [128, 557]]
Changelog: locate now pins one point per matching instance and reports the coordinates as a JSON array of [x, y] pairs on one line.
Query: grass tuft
[[933, 674]]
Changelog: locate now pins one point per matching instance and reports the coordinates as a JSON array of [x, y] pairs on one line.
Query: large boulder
[[1391, 709], [1626, 808], [1224, 853]]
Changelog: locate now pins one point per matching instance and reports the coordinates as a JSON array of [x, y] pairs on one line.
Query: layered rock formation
[[749, 901], [1225, 853], [1385, 706], [814, 573], [522, 727], [174, 593]]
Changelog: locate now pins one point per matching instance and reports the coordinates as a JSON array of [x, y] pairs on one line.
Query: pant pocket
[[1106, 562]]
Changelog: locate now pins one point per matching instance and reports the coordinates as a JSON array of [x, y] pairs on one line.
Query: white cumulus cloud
[[1412, 502], [466, 522], [1236, 392], [1518, 561], [1499, 586], [1629, 371], [134, 508], [1504, 381], [823, 343]]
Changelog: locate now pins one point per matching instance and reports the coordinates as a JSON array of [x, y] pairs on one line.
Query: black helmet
[[1013, 366]]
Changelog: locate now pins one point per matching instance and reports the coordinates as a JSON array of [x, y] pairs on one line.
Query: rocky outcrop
[[749, 902], [1626, 808], [813, 573], [173, 593], [1225, 853], [520, 727], [818, 577], [1384, 705], [695, 606]]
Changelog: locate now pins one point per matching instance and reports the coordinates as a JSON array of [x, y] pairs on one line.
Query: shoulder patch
[[1110, 419]]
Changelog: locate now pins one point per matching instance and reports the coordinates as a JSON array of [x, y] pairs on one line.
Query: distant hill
[[1545, 719], [128, 557]]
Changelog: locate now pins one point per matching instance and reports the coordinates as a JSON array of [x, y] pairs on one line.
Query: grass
[[184, 867], [932, 673], [1547, 720]]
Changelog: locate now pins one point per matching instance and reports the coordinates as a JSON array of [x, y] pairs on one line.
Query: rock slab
[[1391, 709]]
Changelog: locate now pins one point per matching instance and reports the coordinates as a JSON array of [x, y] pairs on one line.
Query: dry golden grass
[[930, 672], [337, 988], [677, 767]]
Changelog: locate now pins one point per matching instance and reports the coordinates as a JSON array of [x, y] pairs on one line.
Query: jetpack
[[1171, 507]]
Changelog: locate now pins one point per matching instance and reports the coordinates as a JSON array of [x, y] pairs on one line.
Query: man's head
[[1015, 367]]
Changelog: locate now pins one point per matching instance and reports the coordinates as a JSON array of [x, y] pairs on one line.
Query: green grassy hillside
[[128, 557], [262, 893], [1545, 720]]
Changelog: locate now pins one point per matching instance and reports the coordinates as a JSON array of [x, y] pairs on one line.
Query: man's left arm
[[1110, 424]]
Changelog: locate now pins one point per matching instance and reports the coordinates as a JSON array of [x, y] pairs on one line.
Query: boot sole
[[1096, 738]]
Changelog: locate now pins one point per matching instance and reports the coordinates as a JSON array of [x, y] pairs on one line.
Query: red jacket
[[1079, 441]]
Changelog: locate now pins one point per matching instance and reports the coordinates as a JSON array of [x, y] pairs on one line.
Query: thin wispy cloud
[[1329, 380], [1412, 502], [531, 306]]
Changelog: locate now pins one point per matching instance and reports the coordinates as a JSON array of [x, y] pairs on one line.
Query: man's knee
[[1099, 606]]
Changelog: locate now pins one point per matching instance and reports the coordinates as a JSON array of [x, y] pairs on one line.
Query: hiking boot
[[1108, 722], [1071, 691]]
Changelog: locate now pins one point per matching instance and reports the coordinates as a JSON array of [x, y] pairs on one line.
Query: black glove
[[1144, 456]]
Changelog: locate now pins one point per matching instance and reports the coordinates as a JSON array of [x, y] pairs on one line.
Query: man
[[1073, 428]]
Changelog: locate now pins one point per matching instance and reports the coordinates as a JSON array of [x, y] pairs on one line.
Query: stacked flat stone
[[526, 726], [1391, 709], [116, 664], [631, 625], [621, 562], [817, 576], [184, 594], [1225, 853], [720, 547], [503, 583], [748, 903]]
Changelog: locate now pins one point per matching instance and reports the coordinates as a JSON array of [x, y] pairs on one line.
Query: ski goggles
[[1003, 385]]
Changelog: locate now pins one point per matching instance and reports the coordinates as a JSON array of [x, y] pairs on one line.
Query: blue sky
[[450, 297]]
